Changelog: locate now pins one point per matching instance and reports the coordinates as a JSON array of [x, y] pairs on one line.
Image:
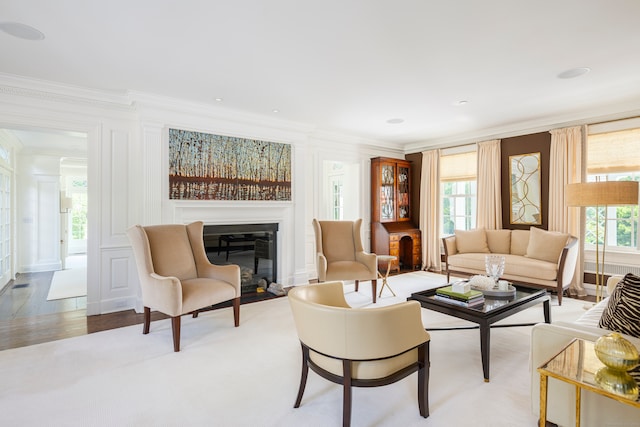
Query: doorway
[[46, 227], [341, 195]]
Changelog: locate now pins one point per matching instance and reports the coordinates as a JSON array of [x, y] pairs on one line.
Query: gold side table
[[388, 259], [577, 364]]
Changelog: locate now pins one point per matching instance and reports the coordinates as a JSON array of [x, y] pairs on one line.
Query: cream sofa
[[546, 341], [535, 257]]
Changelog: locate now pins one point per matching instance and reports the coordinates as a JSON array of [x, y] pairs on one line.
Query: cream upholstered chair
[[363, 347], [176, 277], [340, 254]]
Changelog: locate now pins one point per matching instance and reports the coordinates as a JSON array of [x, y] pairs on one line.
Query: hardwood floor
[[27, 318]]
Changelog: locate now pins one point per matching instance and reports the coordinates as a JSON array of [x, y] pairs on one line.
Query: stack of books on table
[[473, 298]]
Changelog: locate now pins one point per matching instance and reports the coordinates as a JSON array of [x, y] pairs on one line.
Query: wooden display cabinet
[[392, 229], [390, 184]]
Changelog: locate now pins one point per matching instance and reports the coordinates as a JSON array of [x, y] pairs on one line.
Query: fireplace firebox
[[251, 246]]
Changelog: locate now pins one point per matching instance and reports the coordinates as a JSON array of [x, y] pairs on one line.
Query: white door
[[5, 227]]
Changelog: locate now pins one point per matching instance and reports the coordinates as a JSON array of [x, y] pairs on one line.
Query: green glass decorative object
[[616, 352]]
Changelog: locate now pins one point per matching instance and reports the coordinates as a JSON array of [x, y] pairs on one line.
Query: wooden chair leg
[[236, 311], [147, 320], [346, 393], [423, 379], [374, 285], [357, 284], [175, 326], [560, 295], [195, 314], [303, 375]]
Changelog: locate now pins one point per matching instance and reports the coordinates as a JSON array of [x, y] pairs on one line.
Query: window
[[458, 190], [613, 156], [338, 200], [76, 189], [458, 206]]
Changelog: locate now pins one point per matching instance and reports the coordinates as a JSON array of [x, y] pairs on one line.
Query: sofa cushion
[[519, 242], [622, 313], [514, 265], [499, 241], [546, 245], [472, 241]]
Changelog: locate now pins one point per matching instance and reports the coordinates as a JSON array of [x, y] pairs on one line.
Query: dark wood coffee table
[[493, 310]]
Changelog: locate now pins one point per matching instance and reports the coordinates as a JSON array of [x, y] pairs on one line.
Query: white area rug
[[249, 376], [68, 284]]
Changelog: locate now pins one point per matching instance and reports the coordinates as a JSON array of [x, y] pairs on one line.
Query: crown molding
[[586, 117], [60, 92]]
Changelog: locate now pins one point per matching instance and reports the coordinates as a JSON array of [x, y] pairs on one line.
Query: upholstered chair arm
[[163, 294], [229, 273], [370, 261], [321, 261], [384, 331], [449, 244], [567, 261]]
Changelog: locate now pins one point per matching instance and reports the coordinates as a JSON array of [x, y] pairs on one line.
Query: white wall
[[128, 177]]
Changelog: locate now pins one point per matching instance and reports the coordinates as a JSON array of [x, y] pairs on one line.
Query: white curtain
[[566, 167], [430, 210], [489, 214]]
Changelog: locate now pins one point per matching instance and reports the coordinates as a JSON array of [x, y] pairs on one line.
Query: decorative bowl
[[616, 352]]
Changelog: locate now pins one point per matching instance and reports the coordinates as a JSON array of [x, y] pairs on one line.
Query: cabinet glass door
[[403, 193], [387, 201]]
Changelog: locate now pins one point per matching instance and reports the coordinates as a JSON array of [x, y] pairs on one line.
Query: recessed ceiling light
[[219, 99], [395, 121], [574, 72], [275, 110], [463, 102], [21, 31]]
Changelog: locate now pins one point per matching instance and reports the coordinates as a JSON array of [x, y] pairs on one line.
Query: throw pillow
[[499, 241], [519, 241], [471, 241], [622, 313], [546, 245]]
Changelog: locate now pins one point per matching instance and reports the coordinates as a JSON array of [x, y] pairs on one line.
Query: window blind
[[614, 152], [459, 167]]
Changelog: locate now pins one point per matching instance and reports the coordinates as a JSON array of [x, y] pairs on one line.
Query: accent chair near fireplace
[[340, 254], [176, 277]]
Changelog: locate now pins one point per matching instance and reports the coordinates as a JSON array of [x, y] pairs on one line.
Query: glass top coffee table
[[493, 310]]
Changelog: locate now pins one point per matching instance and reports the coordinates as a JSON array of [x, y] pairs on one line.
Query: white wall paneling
[[127, 172], [118, 274]]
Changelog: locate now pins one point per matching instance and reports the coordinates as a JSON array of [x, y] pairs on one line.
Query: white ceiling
[[348, 66]]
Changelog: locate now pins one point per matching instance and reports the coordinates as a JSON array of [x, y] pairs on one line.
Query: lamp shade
[[603, 193]]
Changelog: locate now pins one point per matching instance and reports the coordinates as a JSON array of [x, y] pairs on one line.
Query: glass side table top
[[578, 364]]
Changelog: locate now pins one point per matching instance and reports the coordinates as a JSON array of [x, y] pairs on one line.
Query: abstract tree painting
[[205, 166]]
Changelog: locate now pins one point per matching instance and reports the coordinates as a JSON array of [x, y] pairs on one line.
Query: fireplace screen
[[251, 246]]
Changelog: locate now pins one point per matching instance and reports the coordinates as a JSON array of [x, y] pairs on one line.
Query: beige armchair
[[364, 347], [176, 277], [340, 254]]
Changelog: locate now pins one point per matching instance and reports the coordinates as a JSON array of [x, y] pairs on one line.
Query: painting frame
[[525, 196], [214, 167]]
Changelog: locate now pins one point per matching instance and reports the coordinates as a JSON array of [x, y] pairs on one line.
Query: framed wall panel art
[[524, 170], [205, 166]]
